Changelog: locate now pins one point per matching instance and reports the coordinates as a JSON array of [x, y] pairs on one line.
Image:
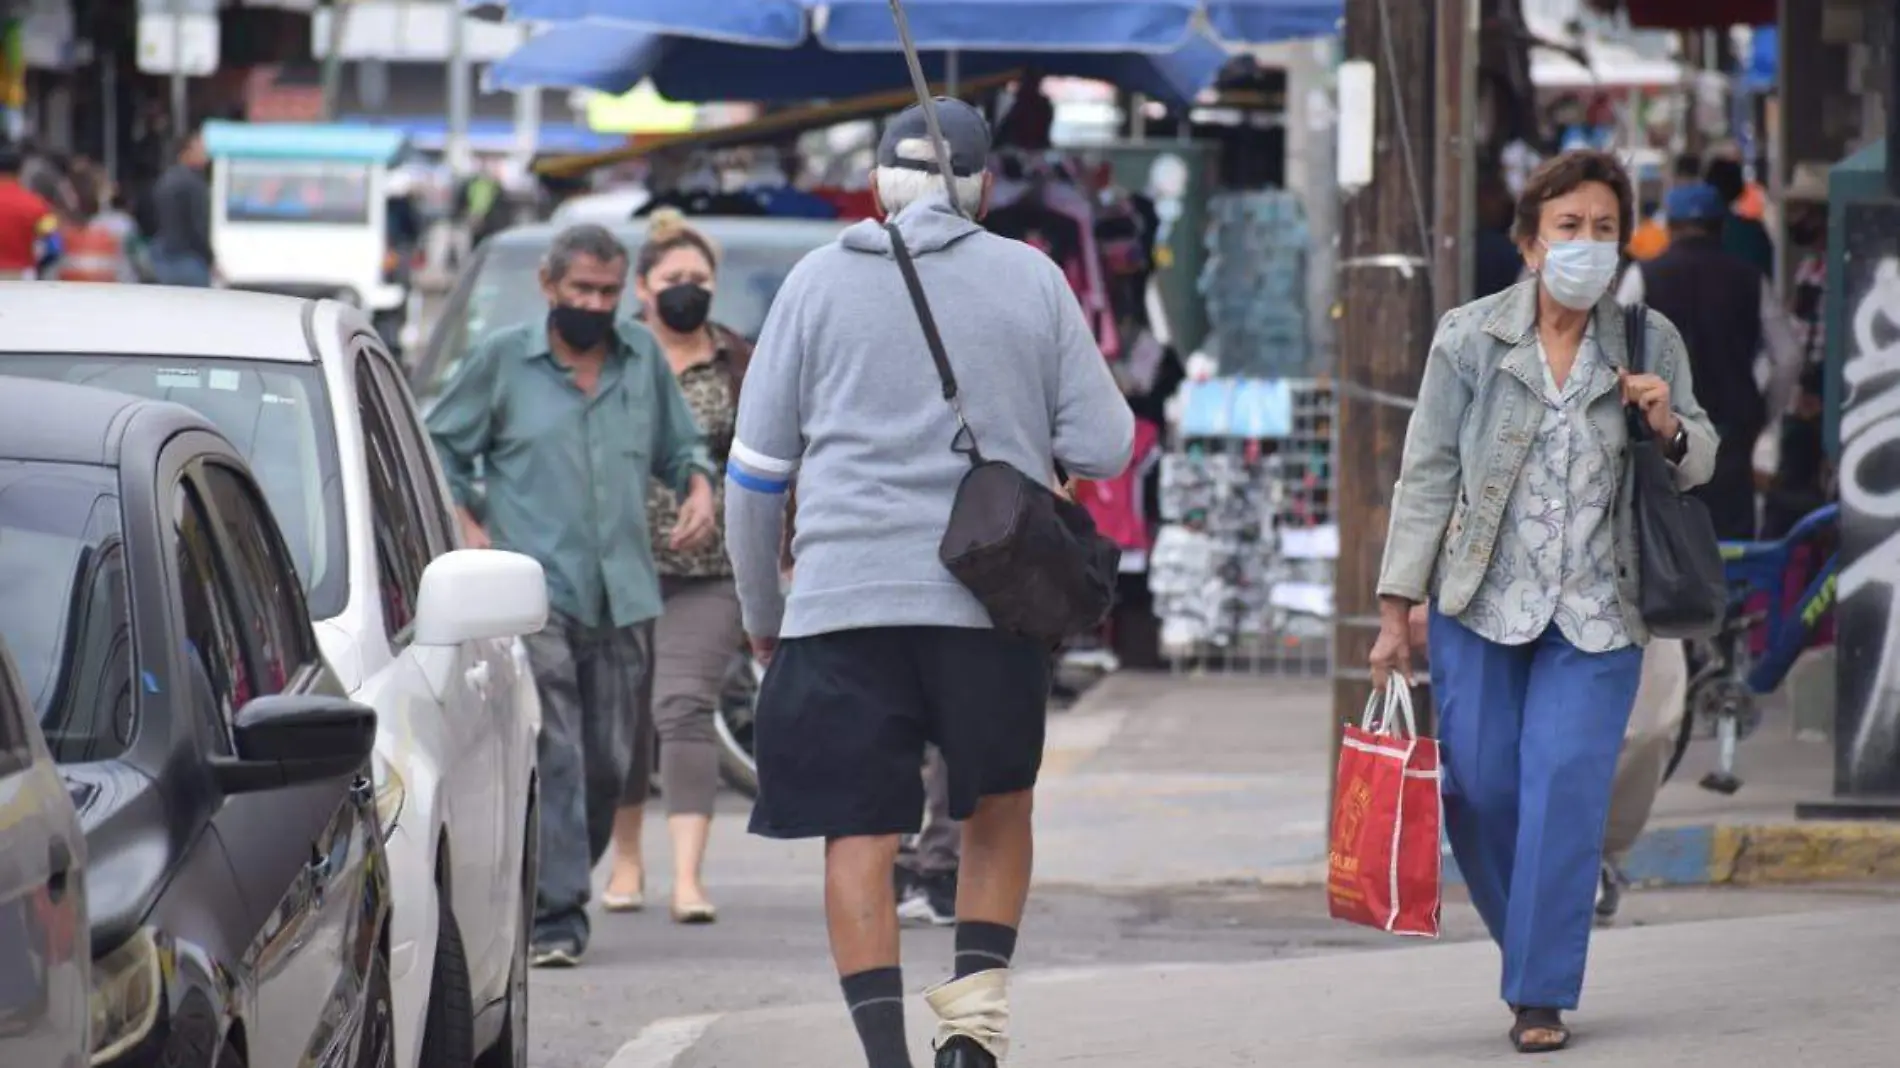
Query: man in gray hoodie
[[877, 649]]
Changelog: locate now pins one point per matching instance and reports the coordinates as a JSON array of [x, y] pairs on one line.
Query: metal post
[[333, 59], [460, 87], [527, 125], [1893, 100], [181, 99]]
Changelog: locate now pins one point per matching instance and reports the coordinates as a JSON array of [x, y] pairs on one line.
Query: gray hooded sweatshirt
[[842, 398]]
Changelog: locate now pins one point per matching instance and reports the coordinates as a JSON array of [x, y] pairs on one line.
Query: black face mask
[[583, 328], [1807, 232], [683, 307]]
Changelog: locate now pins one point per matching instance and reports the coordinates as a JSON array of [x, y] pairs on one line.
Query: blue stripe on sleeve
[[747, 480]]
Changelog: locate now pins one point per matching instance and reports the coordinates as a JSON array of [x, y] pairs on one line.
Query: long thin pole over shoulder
[[925, 101]]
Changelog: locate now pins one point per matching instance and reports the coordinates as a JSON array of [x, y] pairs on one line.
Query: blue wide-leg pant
[[1529, 737]]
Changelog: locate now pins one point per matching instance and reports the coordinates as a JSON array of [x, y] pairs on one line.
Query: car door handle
[[59, 867]]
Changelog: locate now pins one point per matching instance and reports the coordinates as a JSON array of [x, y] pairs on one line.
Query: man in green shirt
[[548, 433]]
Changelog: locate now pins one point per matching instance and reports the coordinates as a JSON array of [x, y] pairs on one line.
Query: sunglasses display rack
[[1242, 568]]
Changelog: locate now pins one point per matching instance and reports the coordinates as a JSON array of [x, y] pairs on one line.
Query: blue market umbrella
[[1158, 26], [613, 58]]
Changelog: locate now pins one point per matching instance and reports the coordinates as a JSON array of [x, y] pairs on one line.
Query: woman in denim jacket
[[1512, 517]]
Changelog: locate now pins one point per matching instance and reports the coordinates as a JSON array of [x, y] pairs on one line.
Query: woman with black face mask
[[699, 630]]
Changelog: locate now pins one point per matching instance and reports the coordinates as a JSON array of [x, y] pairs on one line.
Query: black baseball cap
[[964, 129]]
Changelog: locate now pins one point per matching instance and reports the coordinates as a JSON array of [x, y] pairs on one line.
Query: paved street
[[1170, 810]]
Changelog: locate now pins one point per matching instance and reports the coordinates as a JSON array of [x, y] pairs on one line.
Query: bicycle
[[1726, 681]]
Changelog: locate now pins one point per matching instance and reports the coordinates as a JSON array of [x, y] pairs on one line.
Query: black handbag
[[1032, 557], [1684, 593]]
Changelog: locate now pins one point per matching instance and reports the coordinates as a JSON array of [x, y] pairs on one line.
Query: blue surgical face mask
[[1578, 273]]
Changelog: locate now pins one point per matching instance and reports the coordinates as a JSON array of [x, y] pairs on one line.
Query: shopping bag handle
[[1397, 710]]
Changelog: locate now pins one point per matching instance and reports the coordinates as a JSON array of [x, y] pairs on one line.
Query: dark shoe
[[1610, 884], [1539, 1031], [555, 953], [930, 899], [961, 1052]]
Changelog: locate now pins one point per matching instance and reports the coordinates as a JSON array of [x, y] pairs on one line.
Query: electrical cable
[[1405, 142]]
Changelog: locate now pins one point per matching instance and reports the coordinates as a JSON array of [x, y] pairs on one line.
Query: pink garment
[[1116, 504], [1089, 284]]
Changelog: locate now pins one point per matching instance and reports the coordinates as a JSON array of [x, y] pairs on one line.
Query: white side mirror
[[480, 594]]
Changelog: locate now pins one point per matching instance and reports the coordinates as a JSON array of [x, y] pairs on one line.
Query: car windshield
[[504, 289], [64, 606], [276, 414]]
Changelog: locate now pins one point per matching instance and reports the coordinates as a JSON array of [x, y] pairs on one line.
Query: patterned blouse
[[1555, 560], [709, 392]]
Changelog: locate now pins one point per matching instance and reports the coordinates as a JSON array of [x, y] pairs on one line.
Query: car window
[[221, 681], [402, 545], [277, 416], [65, 610], [417, 471], [268, 597], [15, 751]]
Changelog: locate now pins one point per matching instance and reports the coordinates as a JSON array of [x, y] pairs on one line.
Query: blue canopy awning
[[1108, 26], [762, 23], [1013, 25], [613, 59], [1264, 21]]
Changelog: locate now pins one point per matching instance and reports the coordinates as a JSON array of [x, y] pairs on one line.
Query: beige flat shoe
[[700, 913], [613, 901]]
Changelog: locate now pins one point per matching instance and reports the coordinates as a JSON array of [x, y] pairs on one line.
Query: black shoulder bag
[[1033, 558], [1684, 593]]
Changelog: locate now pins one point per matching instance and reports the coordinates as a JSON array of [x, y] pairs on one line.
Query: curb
[[1720, 854]]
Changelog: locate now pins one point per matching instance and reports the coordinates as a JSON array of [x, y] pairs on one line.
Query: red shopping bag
[[1385, 867]]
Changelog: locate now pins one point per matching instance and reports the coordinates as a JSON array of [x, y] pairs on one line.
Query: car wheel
[[511, 1046], [448, 1030], [376, 1046]]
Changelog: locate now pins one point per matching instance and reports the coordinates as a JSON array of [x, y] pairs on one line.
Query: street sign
[[171, 45]]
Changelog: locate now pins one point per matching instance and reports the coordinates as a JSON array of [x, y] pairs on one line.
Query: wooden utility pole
[[1386, 260]]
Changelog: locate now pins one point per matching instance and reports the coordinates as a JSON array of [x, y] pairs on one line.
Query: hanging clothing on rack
[[1058, 218]]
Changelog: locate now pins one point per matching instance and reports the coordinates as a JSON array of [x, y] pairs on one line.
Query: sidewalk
[[1224, 778], [1683, 996]]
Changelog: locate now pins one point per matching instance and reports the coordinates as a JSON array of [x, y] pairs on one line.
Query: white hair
[[900, 187]]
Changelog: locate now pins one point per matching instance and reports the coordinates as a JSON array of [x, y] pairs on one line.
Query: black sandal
[[1539, 1031]]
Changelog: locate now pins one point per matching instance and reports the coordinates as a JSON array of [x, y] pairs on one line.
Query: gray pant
[[940, 844], [694, 641], [1654, 720], [588, 679]]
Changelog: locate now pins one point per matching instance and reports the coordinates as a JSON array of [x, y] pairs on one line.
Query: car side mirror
[[293, 739], [480, 594]]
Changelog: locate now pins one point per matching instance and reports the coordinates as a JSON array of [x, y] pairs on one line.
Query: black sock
[[983, 946], [876, 998]]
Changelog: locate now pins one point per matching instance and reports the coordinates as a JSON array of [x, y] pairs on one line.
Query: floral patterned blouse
[[709, 392], [1555, 561]]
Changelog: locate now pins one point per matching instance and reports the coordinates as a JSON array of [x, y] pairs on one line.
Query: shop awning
[[613, 58], [1120, 26], [778, 124]]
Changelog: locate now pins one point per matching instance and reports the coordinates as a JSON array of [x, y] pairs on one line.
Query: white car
[[308, 392]]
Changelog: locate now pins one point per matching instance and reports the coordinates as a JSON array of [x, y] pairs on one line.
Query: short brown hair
[[1560, 175]]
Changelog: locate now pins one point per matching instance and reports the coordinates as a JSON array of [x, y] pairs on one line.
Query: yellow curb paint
[[1804, 853]]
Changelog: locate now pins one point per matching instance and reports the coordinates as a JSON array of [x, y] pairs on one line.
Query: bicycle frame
[[1761, 568]]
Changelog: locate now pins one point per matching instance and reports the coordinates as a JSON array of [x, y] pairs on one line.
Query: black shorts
[[843, 719]]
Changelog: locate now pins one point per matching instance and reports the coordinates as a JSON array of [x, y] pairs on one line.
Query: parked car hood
[[131, 846]]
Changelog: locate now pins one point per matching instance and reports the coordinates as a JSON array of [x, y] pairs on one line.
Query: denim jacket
[[1478, 409]]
